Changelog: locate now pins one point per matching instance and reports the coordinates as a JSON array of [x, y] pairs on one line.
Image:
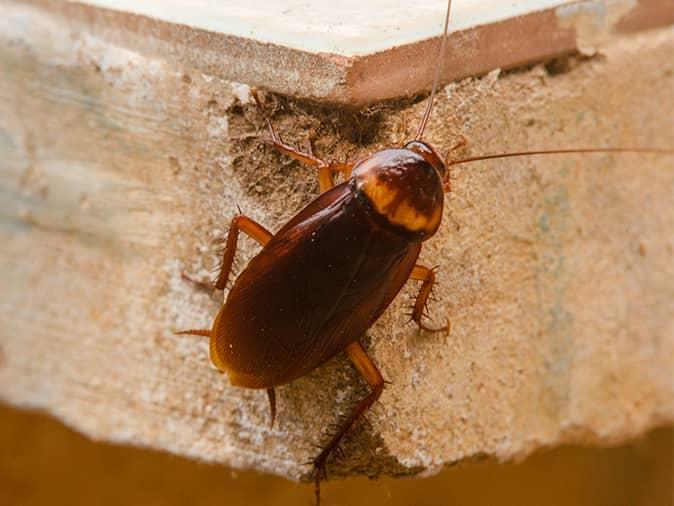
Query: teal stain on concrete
[[552, 279], [7, 143]]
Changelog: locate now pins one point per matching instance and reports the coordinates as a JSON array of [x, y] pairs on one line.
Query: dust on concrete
[[285, 185]]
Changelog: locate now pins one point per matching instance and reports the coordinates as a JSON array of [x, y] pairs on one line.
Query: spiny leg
[[250, 227], [239, 222], [421, 273], [272, 405], [194, 332], [326, 170], [368, 370]]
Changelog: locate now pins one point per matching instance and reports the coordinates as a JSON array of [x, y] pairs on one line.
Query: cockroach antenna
[[436, 79]]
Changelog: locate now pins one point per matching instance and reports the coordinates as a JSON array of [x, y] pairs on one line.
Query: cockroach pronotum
[[327, 275]]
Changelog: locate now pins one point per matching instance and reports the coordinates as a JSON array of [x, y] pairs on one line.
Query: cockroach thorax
[[404, 186]]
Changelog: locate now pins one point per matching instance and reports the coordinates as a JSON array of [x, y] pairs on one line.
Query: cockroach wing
[[317, 286]]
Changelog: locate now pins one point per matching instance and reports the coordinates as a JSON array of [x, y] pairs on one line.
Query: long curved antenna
[[441, 56], [560, 151]]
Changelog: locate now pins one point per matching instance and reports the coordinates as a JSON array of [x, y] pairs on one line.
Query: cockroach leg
[[250, 227], [206, 286], [447, 182], [325, 170], [461, 143], [194, 332], [368, 370], [427, 276], [344, 167], [326, 176], [272, 405], [293, 152], [239, 222]]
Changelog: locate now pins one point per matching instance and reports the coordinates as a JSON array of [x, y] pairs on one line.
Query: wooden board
[[361, 52]]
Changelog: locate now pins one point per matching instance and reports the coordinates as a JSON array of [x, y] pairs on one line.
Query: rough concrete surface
[[120, 171]]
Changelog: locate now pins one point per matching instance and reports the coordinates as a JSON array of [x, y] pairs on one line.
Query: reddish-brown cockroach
[[328, 274]]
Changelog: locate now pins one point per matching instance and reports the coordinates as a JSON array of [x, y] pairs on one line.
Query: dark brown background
[[44, 463]]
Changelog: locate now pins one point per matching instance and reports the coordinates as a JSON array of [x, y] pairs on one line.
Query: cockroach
[[322, 280]]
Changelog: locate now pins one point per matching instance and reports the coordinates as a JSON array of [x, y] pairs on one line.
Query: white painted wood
[[349, 28]]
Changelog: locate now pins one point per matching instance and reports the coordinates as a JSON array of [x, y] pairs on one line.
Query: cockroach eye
[[430, 155]]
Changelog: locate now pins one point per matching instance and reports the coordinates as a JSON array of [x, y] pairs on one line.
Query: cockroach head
[[404, 187]]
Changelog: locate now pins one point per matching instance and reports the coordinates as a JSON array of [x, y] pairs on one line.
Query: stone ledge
[[120, 170]]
